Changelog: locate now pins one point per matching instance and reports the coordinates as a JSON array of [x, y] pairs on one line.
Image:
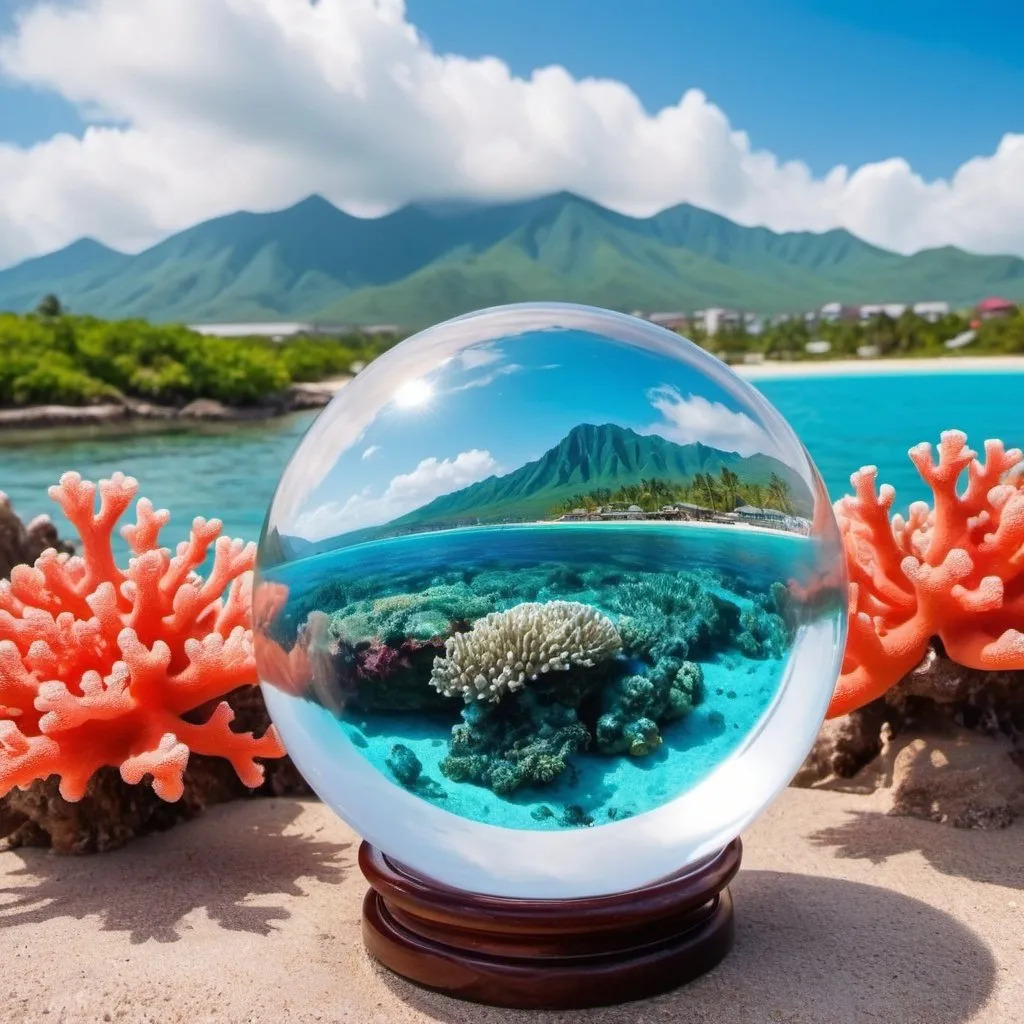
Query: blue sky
[[826, 81], [900, 121]]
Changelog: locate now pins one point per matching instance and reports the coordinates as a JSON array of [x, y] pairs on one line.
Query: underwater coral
[[599, 664], [954, 571], [504, 649], [102, 666]]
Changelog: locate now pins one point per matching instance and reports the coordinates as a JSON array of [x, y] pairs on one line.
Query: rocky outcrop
[[946, 744], [20, 543], [297, 398]]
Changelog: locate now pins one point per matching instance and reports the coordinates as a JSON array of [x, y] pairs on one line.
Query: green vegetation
[[52, 357], [423, 264], [722, 493], [907, 335]]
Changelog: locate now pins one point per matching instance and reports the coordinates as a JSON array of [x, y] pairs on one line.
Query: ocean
[[230, 471]]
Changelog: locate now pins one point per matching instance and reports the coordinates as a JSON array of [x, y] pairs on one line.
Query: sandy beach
[[251, 913], [883, 367]]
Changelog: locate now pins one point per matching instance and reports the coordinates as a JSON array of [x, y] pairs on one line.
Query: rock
[[20, 543], [945, 744], [962, 779], [63, 415], [206, 409], [112, 812], [845, 746]]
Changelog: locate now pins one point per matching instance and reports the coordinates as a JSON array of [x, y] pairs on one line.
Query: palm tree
[[705, 484], [730, 483]]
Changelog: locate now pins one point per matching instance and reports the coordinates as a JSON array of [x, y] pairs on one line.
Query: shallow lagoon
[[591, 563]]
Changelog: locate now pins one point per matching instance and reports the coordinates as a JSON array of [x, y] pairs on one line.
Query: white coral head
[[505, 649]]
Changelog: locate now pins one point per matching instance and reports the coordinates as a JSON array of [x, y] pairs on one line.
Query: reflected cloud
[[693, 418], [371, 451], [431, 479], [489, 378]]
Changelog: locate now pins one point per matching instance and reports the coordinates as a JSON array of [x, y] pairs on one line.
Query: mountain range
[[426, 262], [588, 458]]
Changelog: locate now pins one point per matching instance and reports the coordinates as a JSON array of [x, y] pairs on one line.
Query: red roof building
[[991, 307]]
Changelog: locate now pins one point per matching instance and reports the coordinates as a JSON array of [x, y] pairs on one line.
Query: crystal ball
[[549, 603]]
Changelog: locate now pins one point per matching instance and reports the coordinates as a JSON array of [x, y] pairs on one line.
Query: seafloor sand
[[859, 367], [251, 914]]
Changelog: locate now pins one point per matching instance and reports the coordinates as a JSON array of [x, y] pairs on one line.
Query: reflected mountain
[[593, 463]]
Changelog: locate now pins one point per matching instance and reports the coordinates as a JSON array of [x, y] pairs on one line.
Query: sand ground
[[251, 914]]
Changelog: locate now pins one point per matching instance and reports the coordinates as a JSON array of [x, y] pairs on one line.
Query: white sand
[[251, 914], [884, 367]]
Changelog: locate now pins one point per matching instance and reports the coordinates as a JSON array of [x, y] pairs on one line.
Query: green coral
[[522, 742], [421, 615], [679, 615], [634, 706]]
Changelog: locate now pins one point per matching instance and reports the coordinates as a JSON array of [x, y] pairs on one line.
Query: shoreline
[[298, 398], [792, 370]]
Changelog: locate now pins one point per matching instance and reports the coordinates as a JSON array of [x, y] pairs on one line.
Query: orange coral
[[100, 666], [955, 571]]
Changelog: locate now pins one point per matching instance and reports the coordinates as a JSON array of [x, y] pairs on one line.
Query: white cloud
[[371, 451], [696, 418], [407, 491], [202, 106]]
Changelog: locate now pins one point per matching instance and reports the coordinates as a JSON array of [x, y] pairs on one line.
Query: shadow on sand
[[229, 862], [808, 949], [870, 835]]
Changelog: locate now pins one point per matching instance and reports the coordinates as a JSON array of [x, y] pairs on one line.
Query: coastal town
[[687, 512], [961, 325]]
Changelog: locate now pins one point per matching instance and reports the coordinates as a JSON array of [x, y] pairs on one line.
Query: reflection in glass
[[545, 588]]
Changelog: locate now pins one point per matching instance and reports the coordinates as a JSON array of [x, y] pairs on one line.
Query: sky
[[459, 420], [126, 120]]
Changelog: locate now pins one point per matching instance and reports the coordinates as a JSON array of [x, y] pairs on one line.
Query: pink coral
[[954, 571], [102, 666]]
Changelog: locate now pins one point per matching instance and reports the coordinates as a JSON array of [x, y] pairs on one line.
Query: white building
[[931, 311], [714, 320], [818, 348]]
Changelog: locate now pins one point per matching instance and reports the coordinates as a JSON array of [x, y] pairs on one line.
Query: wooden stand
[[549, 954]]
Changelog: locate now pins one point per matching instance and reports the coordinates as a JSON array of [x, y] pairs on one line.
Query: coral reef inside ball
[[549, 603]]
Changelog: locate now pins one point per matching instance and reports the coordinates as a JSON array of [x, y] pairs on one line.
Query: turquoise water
[[419, 586], [231, 471]]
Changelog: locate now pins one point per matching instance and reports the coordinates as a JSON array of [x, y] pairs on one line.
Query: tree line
[[905, 335], [51, 356], [721, 492]]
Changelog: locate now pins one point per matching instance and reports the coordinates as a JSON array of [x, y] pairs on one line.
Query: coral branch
[[954, 571], [103, 667]]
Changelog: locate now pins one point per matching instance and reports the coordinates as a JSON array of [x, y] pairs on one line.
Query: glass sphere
[[550, 603]]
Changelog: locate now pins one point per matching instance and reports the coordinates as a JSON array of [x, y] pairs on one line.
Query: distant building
[[764, 516], [993, 307], [931, 311], [711, 321], [833, 312], [577, 515], [893, 310], [379, 329], [868, 351], [274, 331], [670, 321], [818, 348]]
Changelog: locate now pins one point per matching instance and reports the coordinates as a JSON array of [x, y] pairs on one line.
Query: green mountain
[[426, 262], [588, 458]]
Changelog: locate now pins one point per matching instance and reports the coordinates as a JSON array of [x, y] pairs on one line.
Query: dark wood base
[[549, 954]]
